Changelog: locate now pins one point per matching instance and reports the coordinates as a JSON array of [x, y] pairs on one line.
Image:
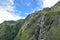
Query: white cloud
[[12, 1], [4, 14], [49, 3]]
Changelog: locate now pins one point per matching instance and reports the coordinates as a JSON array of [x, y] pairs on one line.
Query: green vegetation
[[44, 23], [9, 29]]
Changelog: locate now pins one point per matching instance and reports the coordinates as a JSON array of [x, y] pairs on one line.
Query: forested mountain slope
[[40, 25]]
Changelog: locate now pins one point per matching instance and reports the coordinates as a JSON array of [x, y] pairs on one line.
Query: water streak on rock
[[41, 23]]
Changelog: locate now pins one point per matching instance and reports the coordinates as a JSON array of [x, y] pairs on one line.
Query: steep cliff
[[42, 25]]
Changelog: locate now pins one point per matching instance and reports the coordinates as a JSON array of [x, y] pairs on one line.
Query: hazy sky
[[17, 9]]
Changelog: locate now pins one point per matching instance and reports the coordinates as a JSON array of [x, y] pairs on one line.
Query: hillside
[[40, 25], [9, 29]]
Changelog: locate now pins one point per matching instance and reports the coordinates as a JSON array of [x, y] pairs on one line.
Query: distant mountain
[[40, 25], [9, 29]]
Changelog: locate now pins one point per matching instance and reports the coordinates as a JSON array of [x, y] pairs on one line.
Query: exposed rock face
[[41, 23]]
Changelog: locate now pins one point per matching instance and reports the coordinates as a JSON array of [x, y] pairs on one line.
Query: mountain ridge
[[41, 25]]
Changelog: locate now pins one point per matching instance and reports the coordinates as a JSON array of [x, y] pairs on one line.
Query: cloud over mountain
[[5, 7], [49, 3]]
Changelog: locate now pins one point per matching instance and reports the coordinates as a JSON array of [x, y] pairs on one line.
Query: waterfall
[[41, 23]]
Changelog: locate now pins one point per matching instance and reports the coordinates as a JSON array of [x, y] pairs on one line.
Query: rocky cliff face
[[41, 25]]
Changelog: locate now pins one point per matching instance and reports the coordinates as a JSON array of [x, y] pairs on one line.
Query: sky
[[19, 9]]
